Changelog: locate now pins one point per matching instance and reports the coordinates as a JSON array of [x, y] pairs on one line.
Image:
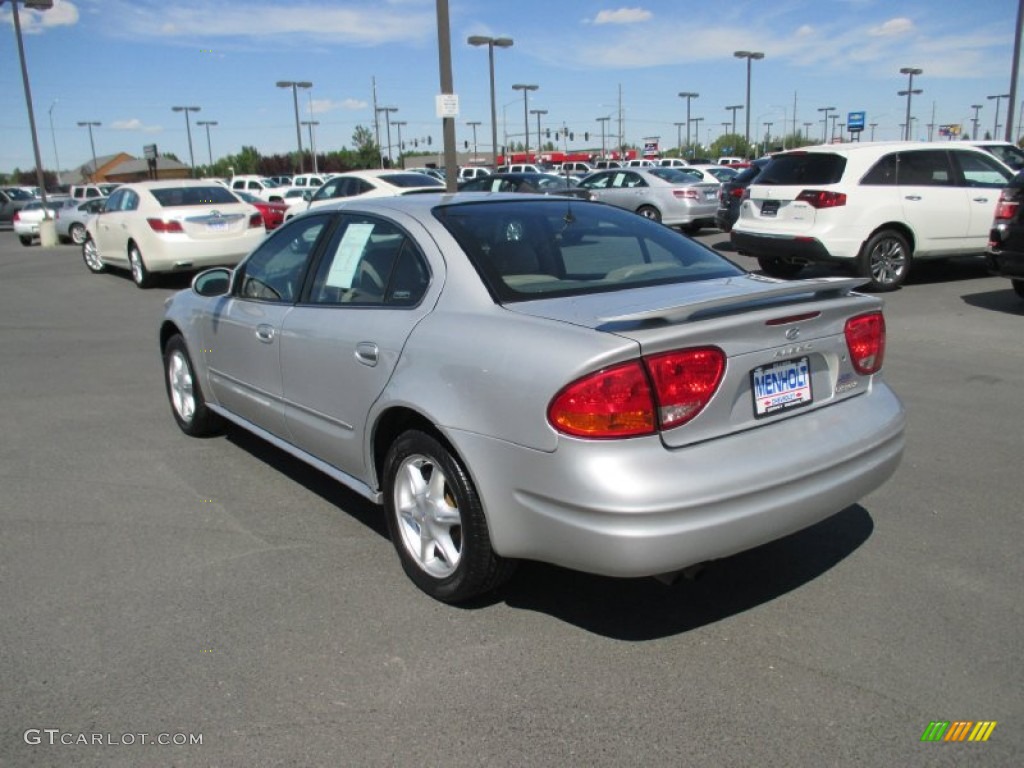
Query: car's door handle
[[265, 333], [980, 199], [912, 197], [367, 353]]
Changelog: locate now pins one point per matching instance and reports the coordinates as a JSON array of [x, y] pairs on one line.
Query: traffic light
[[571, 137], [547, 133], [466, 142], [586, 136]]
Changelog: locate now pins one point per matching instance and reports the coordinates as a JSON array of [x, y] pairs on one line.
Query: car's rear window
[[174, 197], [800, 168], [411, 180], [542, 249]]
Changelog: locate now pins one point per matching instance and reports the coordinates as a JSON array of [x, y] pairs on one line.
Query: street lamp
[[90, 124], [47, 229], [312, 142], [209, 146], [679, 137], [976, 108], [188, 130], [53, 135], [387, 120], [538, 113], [604, 122], [872, 126], [767, 135], [295, 85], [995, 126], [492, 43], [909, 72], [824, 127], [749, 56], [688, 95], [401, 149], [696, 130], [473, 124], [526, 110], [733, 109]]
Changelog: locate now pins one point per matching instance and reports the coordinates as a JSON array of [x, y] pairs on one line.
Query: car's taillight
[[16, 216], [256, 220], [737, 191], [165, 225], [865, 338], [686, 194], [1006, 209], [684, 382], [640, 397], [819, 198]]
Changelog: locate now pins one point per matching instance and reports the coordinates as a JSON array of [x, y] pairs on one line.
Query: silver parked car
[[71, 219], [668, 195], [521, 376]]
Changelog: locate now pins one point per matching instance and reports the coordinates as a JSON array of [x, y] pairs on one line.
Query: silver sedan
[[668, 195], [534, 377]]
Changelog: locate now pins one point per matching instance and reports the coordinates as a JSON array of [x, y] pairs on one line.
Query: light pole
[[872, 126], [767, 135], [473, 124], [401, 150], [679, 138], [696, 131], [526, 112], [188, 130], [604, 122], [387, 121], [995, 124], [749, 56], [53, 135], [538, 113], [909, 72], [807, 131], [976, 108], [824, 127], [688, 95], [89, 124], [312, 142], [209, 146], [295, 85], [733, 109], [832, 133], [47, 229], [492, 43]]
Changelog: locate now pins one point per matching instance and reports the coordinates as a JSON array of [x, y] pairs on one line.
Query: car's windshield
[[411, 180], [540, 249], [1009, 154], [18, 194]]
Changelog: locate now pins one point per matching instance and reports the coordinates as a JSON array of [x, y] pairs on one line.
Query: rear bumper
[[1005, 263], [797, 249], [634, 508]]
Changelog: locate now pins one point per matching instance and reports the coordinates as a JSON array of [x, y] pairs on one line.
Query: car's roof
[[171, 184], [422, 205], [877, 147]]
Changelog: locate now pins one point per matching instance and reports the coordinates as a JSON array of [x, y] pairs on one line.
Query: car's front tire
[[91, 257], [437, 522], [188, 405], [885, 261], [25, 239], [773, 266], [141, 275]]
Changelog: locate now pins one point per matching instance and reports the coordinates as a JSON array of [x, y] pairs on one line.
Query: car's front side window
[[275, 270], [114, 202]]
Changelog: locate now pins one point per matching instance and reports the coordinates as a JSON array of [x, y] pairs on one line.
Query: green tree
[[367, 151]]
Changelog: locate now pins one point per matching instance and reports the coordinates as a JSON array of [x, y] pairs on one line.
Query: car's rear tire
[[188, 405], [437, 522], [1018, 286], [91, 257], [649, 212], [141, 275], [885, 260], [25, 239], [77, 233], [775, 266]]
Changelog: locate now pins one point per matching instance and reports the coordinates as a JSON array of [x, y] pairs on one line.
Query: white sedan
[[170, 226], [369, 183]]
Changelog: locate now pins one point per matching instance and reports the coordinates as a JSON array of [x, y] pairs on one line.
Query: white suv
[[875, 206]]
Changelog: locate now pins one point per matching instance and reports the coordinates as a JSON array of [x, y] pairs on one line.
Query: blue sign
[[855, 121]]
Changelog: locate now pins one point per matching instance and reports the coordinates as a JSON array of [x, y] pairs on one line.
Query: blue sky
[[125, 63]]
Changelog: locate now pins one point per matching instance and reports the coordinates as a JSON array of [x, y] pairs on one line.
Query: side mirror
[[307, 195], [212, 282]]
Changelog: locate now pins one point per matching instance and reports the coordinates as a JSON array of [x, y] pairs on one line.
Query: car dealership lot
[[158, 585]]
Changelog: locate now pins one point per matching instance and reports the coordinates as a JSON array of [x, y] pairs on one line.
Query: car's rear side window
[[172, 197], [804, 168]]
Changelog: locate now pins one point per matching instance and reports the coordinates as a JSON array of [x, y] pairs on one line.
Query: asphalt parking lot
[[155, 584]]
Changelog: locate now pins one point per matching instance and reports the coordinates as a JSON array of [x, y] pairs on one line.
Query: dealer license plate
[[781, 386]]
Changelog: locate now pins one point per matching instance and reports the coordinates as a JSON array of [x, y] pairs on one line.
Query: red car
[[272, 213]]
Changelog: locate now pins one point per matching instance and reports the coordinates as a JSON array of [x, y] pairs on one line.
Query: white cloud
[[893, 28], [623, 16], [134, 124]]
